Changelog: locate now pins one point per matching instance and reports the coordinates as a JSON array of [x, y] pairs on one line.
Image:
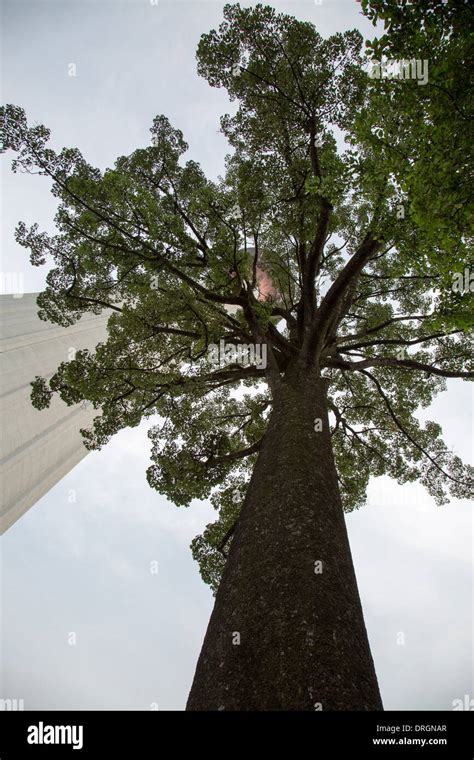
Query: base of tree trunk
[[287, 630]]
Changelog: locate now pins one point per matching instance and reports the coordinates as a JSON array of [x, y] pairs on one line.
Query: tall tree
[[360, 327]]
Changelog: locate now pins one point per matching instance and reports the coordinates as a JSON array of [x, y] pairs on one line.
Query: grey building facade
[[37, 448]]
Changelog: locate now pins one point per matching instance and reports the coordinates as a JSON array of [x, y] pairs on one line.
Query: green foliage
[[422, 135], [358, 283]]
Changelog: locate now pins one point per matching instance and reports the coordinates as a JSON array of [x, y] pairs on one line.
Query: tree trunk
[[287, 630]]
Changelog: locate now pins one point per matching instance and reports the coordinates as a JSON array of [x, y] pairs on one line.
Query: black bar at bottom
[[159, 734]]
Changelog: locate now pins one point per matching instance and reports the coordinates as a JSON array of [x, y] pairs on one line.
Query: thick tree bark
[[288, 592]]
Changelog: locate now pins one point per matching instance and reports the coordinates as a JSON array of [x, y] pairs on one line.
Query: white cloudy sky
[[84, 567]]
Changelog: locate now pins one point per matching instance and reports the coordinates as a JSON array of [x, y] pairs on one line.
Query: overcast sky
[[85, 567]]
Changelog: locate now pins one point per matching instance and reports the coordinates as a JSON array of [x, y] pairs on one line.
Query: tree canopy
[[349, 192]]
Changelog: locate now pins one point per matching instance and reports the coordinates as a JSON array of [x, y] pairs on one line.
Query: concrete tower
[[37, 448]]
